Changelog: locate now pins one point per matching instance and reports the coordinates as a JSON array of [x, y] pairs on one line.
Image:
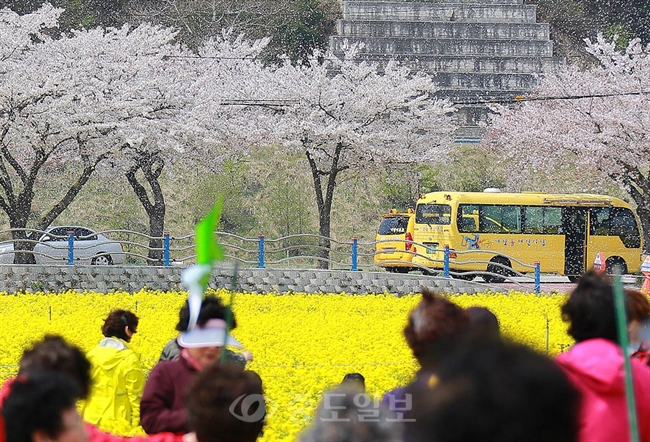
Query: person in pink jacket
[[595, 365]]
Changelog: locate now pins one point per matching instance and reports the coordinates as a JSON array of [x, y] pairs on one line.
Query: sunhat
[[212, 334]]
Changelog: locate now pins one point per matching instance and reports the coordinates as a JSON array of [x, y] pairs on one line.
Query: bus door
[[574, 226]]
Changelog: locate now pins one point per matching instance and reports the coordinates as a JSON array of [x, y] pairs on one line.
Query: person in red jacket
[[41, 408], [163, 402], [55, 354], [595, 365]]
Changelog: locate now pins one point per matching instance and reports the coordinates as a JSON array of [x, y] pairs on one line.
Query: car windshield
[[395, 225]]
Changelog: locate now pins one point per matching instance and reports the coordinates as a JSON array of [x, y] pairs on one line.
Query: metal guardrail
[[300, 251]]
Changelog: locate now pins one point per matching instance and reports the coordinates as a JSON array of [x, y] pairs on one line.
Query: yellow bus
[[563, 232]]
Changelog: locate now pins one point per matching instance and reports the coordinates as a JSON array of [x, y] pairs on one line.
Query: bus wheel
[[497, 269], [615, 266]]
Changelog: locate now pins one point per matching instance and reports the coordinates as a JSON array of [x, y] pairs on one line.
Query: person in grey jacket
[[211, 308]]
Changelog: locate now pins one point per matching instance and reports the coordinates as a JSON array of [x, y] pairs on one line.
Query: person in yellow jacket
[[117, 378]]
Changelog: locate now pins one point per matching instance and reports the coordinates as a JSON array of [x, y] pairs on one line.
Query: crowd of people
[[473, 384]]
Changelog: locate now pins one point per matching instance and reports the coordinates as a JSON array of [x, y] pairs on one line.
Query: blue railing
[[299, 251]]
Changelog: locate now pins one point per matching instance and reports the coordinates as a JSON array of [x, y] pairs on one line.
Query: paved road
[[549, 284]]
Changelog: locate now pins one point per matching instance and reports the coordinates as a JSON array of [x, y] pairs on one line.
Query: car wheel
[[102, 260], [492, 268]]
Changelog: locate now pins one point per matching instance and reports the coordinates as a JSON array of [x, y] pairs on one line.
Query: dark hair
[[432, 324], [356, 380], [115, 323], [590, 309], [37, 402], [218, 408], [345, 415], [53, 353], [211, 308], [494, 391], [638, 306], [483, 321]]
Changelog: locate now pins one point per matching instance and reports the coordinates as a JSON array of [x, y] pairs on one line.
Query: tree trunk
[[19, 206], [151, 166], [644, 216], [23, 249], [324, 202], [637, 184]]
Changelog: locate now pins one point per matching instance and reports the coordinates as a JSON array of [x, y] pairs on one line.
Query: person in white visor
[[163, 402]]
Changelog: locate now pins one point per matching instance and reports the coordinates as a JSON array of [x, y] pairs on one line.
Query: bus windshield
[[433, 214]]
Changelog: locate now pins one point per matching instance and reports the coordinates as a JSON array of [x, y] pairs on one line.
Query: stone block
[[442, 30], [478, 47], [445, 12]]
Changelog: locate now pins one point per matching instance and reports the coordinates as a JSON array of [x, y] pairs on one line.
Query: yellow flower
[[303, 344]]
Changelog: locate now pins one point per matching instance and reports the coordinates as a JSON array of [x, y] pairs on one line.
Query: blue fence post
[[166, 250], [538, 277], [446, 269], [260, 252], [355, 255], [71, 248]]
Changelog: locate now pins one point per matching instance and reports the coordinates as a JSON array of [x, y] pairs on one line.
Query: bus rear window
[[433, 214], [395, 225]]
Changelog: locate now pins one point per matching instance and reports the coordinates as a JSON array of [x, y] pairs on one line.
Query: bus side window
[[490, 219], [511, 219], [552, 220], [467, 218], [534, 220], [467, 224]]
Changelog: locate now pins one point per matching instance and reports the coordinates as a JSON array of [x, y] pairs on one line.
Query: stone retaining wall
[[35, 278]]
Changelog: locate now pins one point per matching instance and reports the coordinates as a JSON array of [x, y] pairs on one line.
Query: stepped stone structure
[[478, 50]]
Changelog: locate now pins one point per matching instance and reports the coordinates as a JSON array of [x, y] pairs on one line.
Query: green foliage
[[285, 204], [237, 187], [572, 21], [309, 27], [470, 169], [403, 184], [622, 36]]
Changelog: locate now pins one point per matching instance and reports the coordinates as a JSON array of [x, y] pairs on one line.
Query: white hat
[[212, 334]]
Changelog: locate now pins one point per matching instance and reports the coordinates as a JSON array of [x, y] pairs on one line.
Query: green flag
[[208, 250]]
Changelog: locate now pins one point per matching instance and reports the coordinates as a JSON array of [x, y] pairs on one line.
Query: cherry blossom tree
[[212, 121], [595, 122], [348, 115], [70, 102]]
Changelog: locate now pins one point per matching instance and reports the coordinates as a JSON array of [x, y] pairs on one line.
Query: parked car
[[52, 247], [394, 249]]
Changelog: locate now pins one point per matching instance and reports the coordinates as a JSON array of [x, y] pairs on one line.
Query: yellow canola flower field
[[303, 344]]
